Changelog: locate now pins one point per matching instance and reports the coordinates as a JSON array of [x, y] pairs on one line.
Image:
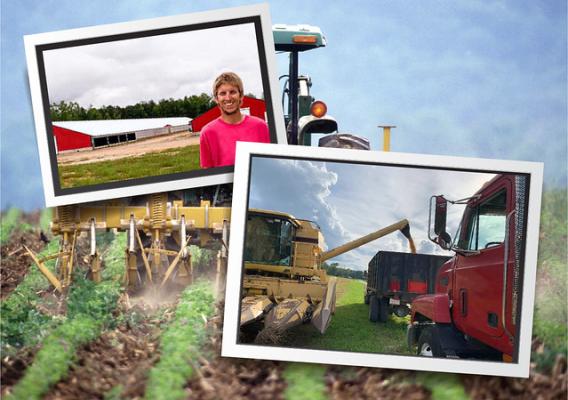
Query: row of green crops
[[45, 219], [180, 343], [551, 310], [21, 323], [89, 311], [9, 222]]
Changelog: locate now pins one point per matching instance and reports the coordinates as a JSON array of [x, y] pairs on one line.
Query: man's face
[[228, 98]]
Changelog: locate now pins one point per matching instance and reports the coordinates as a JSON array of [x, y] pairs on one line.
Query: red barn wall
[[257, 108], [66, 139]]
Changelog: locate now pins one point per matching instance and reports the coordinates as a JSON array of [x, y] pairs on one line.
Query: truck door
[[479, 269]]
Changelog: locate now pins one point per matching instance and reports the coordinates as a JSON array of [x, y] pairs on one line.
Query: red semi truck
[[475, 309]]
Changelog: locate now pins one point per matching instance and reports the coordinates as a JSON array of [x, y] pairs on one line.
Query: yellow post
[[386, 136]]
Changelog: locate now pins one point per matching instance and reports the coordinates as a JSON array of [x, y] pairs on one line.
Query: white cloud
[[154, 67], [349, 201]]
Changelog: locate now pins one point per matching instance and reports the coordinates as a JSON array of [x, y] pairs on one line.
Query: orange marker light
[[310, 39], [318, 109]]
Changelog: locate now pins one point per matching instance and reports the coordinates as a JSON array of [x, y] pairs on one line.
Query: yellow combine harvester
[[284, 283]]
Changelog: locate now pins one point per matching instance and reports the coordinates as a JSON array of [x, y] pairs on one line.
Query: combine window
[[268, 240], [486, 225]]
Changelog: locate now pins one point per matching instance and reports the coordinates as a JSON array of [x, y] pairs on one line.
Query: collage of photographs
[[201, 226]]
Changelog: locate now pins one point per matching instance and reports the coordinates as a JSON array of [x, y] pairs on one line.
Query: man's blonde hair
[[229, 78]]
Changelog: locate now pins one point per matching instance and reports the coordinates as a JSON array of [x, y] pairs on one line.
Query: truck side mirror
[[440, 215], [443, 239]]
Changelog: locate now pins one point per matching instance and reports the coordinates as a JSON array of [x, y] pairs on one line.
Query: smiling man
[[219, 137]]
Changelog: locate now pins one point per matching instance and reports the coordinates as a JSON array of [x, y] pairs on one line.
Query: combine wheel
[[383, 309], [374, 308], [429, 344]]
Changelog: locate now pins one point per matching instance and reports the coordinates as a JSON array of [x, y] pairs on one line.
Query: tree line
[[189, 106], [335, 270]]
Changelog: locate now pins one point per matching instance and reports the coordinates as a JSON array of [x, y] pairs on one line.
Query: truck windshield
[[486, 224], [268, 240]]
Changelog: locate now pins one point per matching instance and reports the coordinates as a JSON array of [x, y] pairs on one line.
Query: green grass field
[[350, 328], [169, 161]]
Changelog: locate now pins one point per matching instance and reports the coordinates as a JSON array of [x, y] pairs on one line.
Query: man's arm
[[205, 160]]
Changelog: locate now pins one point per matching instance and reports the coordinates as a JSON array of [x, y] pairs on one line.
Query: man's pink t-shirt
[[218, 140]]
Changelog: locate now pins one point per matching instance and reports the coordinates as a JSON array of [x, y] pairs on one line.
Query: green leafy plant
[[55, 357], [89, 311], [21, 323], [180, 344], [551, 309], [9, 222], [304, 381]]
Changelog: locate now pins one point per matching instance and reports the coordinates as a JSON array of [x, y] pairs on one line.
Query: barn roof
[[116, 126]]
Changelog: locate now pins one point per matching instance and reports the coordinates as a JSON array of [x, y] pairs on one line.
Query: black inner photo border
[[40, 49], [518, 332]]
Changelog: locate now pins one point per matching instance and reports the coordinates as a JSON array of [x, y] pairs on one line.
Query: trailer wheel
[[374, 308], [429, 344], [383, 309]]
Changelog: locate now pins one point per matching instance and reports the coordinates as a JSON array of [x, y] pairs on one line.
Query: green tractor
[[304, 115]]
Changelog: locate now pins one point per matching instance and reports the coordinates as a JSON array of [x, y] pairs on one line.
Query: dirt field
[[143, 146], [121, 358]]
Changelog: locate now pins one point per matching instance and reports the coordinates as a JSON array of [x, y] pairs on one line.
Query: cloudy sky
[[466, 78], [351, 200], [158, 67]]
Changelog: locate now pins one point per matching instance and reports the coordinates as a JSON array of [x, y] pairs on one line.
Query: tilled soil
[[15, 262], [551, 386], [230, 378], [372, 383], [13, 367], [224, 378], [122, 357]]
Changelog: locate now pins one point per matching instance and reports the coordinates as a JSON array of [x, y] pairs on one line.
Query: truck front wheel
[[429, 344]]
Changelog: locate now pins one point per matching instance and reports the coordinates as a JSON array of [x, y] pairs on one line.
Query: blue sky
[[466, 78], [351, 200]]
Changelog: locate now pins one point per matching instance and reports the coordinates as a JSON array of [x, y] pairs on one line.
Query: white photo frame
[[256, 20], [247, 152]]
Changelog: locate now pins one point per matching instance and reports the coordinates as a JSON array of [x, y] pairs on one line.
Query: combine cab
[[284, 284]]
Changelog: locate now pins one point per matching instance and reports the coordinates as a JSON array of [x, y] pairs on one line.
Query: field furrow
[[89, 309]]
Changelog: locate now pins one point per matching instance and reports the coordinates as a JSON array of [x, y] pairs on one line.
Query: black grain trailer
[[394, 279]]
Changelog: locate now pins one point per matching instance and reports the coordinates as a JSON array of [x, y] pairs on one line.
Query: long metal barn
[[84, 135]]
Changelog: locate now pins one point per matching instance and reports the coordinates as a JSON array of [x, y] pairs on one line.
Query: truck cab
[[474, 311]]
